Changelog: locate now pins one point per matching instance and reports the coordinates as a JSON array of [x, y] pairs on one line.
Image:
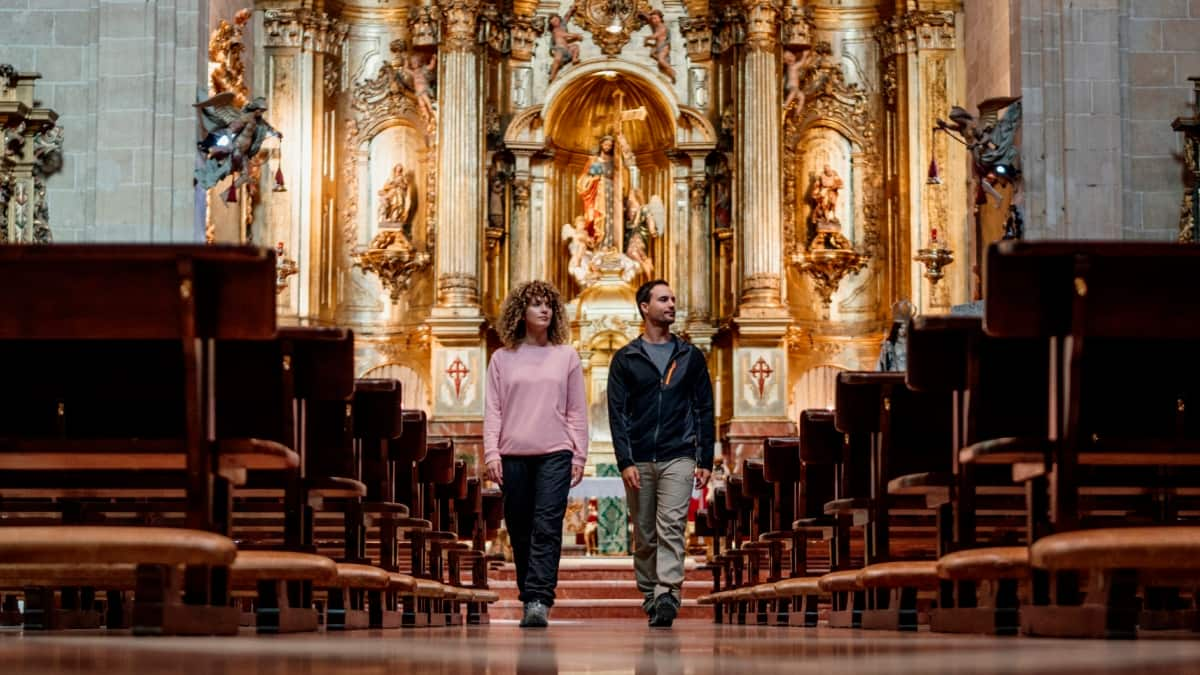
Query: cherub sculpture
[[795, 72], [420, 77], [581, 246], [659, 43], [233, 138], [564, 49]]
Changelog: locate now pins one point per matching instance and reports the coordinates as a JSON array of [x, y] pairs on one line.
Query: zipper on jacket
[[662, 384]]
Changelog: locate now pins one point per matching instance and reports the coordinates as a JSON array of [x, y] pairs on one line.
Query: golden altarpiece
[[768, 159]]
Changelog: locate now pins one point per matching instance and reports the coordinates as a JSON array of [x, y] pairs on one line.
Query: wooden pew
[[166, 306], [1100, 308], [911, 434]]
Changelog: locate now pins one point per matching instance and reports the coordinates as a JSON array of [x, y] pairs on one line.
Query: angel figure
[[420, 77], [644, 222], [581, 246], [233, 137], [795, 71], [991, 141], [659, 43], [564, 49]]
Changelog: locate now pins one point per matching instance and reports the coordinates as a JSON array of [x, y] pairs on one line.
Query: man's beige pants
[[659, 511]]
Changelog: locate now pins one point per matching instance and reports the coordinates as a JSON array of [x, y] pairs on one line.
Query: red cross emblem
[[760, 372], [458, 372]]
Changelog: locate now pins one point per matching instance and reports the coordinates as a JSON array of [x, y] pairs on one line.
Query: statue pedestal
[[605, 319]]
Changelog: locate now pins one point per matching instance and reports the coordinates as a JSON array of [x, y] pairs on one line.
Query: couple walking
[[535, 437]]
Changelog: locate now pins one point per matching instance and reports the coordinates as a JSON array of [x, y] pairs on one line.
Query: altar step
[[596, 609], [598, 588]]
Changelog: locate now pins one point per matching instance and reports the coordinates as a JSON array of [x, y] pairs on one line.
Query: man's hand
[[496, 472], [702, 476], [576, 474], [632, 478]]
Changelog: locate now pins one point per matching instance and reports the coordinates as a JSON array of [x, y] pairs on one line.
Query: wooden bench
[[160, 558]]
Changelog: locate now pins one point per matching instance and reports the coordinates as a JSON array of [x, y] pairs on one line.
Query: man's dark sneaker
[[536, 615], [648, 608], [666, 607]]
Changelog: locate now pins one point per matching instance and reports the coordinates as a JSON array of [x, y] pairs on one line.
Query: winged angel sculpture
[[232, 138], [991, 139]]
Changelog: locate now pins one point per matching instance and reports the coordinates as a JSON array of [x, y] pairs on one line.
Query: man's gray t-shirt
[[660, 354]]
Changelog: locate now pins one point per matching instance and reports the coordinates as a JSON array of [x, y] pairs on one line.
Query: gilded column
[[460, 142], [458, 359], [699, 269], [759, 387], [302, 47], [759, 136], [924, 76]]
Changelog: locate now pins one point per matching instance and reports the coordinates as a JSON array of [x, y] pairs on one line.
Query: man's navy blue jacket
[[655, 416]]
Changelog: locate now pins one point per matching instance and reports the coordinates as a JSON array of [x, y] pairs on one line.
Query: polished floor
[[600, 646]]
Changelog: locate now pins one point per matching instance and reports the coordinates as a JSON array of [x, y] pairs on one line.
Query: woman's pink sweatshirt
[[535, 403]]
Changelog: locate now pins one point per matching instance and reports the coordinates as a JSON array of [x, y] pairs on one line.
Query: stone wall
[[122, 74], [1160, 50], [1102, 80]]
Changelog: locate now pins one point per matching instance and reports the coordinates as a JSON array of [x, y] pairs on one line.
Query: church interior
[[256, 254]]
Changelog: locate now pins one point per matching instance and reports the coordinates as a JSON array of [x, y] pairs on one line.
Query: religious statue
[[893, 354], [659, 43], [600, 233], [581, 247], [420, 77], [992, 141], [795, 72], [595, 188], [564, 49], [398, 202], [824, 195], [643, 223], [498, 177], [233, 138]]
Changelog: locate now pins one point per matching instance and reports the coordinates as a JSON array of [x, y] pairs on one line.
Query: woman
[[535, 437]]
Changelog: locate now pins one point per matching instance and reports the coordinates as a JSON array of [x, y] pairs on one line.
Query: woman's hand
[[495, 471], [576, 474]]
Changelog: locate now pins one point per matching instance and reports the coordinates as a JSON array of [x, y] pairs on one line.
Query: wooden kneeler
[[981, 591], [347, 604], [1118, 566], [162, 558], [284, 581], [892, 593], [805, 596], [847, 596], [77, 585]]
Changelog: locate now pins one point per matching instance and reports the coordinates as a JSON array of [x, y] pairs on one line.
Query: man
[[660, 410]]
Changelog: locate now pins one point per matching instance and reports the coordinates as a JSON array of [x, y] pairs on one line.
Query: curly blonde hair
[[512, 314]]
